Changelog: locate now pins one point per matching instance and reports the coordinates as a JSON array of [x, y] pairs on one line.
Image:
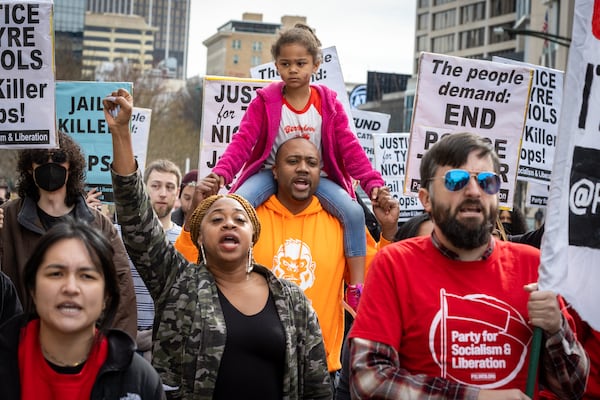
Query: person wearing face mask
[[50, 188], [513, 221]]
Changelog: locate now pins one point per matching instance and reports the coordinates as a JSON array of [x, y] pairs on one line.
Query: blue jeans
[[335, 200]]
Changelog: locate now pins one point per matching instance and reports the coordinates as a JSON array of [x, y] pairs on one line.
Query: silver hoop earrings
[[250, 265], [203, 253]]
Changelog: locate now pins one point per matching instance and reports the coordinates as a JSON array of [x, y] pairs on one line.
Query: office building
[[113, 39], [69, 22], [240, 45], [486, 28], [171, 17]]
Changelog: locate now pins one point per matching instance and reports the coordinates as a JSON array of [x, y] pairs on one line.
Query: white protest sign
[[571, 245], [367, 123], [328, 74], [224, 102], [140, 132], [391, 150], [537, 195], [27, 75], [541, 127], [466, 95]]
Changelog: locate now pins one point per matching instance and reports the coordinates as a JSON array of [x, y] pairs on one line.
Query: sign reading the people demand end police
[[224, 103], [368, 123], [79, 113], [571, 245], [328, 74], [26, 75], [465, 95], [391, 151], [541, 127]]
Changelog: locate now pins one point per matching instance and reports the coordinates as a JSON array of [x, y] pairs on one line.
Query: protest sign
[[541, 126], [223, 105], [391, 150], [367, 123], [537, 195], [571, 245], [328, 74], [27, 75], [80, 113], [466, 95], [140, 130]]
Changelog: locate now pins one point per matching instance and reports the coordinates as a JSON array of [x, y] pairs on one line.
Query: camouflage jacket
[[189, 326]]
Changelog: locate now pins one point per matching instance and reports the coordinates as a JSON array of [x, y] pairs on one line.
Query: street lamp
[[560, 40]]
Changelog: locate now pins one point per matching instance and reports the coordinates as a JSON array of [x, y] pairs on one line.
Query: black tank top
[[253, 361]]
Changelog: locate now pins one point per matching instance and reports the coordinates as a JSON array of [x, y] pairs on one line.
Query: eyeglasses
[[457, 179], [58, 156]]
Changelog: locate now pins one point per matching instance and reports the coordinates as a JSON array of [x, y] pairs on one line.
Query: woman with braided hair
[[225, 327]]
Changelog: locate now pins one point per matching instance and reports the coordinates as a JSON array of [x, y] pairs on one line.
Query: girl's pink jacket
[[343, 156]]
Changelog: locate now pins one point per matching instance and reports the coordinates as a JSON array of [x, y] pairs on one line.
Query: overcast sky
[[373, 35]]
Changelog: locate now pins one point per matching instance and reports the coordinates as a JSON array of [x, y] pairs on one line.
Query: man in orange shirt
[[303, 243]]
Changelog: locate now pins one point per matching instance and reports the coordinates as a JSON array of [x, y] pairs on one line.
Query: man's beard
[[164, 212], [468, 235]]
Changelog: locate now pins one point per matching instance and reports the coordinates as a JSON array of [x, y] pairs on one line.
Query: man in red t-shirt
[[451, 315]]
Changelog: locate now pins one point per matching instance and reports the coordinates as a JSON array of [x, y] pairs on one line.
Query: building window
[[472, 13], [472, 38], [443, 44], [257, 46], [236, 44], [423, 3], [236, 59], [523, 9], [498, 37], [502, 7], [255, 60], [440, 2], [423, 21], [422, 43], [444, 19]]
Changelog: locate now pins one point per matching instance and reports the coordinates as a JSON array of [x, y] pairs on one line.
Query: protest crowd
[[268, 278]]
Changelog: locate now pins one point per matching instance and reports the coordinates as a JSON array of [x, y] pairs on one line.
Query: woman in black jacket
[[66, 350]]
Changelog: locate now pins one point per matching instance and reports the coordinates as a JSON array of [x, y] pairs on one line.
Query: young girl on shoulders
[[290, 108]]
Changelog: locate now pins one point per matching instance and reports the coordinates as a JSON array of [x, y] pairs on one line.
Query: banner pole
[[534, 360]]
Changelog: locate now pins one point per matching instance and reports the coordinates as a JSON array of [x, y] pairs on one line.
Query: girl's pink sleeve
[[356, 161], [243, 141]]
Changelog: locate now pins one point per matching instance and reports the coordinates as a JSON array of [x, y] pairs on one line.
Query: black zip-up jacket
[[125, 374], [11, 319]]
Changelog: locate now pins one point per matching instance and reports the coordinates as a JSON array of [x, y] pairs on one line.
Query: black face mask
[[50, 176], [507, 227]]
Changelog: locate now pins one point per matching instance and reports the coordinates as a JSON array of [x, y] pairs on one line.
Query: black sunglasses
[[58, 156]]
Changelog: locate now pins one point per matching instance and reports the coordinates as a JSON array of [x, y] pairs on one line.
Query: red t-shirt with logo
[[462, 321]]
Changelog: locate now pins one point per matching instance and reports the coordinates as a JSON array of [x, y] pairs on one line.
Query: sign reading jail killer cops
[[224, 103], [541, 126], [329, 74], [571, 245], [391, 150], [26, 75], [465, 95], [79, 113], [368, 123]]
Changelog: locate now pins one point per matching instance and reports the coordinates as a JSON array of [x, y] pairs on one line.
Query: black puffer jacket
[[125, 374], [11, 319]]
